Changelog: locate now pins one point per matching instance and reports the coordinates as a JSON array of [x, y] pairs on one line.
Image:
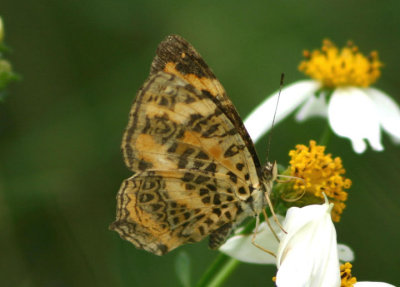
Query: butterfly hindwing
[[161, 210]]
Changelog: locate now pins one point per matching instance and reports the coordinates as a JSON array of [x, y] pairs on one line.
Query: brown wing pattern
[[179, 136], [161, 210], [177, 56], [174, 126]]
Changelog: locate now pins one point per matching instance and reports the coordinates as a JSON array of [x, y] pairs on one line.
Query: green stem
[[212, 270], [326, 135], [219, 271], [224, 273]]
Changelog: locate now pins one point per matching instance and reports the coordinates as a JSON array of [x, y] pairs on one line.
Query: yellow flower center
[[320, 173], [347, 67], [345, 273]]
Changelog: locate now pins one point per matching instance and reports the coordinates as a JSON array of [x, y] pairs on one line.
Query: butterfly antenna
[[273, 119]]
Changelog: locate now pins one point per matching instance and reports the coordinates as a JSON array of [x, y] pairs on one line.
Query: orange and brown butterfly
[[195, 169]]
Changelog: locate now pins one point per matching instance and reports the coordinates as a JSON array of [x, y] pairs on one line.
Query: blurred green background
[[81, 64]]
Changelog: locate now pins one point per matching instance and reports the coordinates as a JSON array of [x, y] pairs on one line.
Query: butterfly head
[[269, 174]]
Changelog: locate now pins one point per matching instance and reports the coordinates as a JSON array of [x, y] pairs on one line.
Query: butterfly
[[195, 169]]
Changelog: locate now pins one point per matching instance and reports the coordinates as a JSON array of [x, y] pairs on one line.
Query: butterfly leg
[[253, 239], [289, 178], [273, 212], [269, 225]]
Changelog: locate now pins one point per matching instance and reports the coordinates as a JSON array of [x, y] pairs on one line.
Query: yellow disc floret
[[321, 174], [345, 67], [345, 273]]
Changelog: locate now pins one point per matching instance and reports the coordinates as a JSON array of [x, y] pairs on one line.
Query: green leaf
[[182, 268]]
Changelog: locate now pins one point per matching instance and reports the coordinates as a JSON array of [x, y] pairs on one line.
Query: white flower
[[372, 284], [308, 254], [354, 110], [240, 247]]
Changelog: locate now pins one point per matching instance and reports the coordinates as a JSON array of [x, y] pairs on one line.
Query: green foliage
[[182, 268]]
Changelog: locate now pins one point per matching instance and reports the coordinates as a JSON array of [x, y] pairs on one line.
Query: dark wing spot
[[233, 150], [163, 102], [210, 130], [200, 216], [188, 177], [206, 199], [209, 221], [156, 206], [202, 155], [212, 187], [188, 152], [189, 186], [239, 166], [172, 148], [198, 164], [182, 162], [242, 190], [217, 211], [143, 165], [201, 230], [211, 167], [201, 179], [146, 197], [203, 191], [232, 177], [216, 199]]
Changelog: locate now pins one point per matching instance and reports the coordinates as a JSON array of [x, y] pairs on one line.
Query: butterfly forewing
[[176, 56]]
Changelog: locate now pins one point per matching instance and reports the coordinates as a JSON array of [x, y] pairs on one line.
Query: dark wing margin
[[175, 49]]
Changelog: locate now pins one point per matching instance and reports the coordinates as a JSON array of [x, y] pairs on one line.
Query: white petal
[[241, 248], [345, 253], [260, 119], [307, 254], [372, 284], [313, 107], [388, 111], [352, 114]]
